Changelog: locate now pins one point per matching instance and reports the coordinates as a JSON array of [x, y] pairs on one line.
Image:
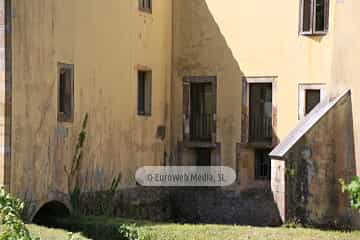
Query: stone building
[[183, 82]]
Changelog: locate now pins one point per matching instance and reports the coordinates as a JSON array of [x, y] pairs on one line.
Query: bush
[[13, 227], [353, 189], [99, 228], [10, 213]]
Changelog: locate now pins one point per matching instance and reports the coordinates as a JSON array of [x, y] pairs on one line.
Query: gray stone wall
[[192, 205]]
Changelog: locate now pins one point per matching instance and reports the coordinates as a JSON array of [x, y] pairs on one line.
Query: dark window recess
[[201, 116], [65, 92], [262, 164], [145, 5], [312, 98], [314, 17], [144, 92], [260, 112], [203, 157], [320, 16], [306, 15]]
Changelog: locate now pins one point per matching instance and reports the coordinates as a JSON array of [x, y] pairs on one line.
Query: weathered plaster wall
[[5, 95], [107, 42], [346, 58], [240, 39], [201, 50], [306, 181]]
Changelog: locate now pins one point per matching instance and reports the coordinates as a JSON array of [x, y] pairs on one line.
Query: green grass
[[51, 234], [165, 231], [219, 232]]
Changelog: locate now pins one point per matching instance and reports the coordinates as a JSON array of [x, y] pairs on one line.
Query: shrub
[[10, 213], [99, 228], [353, 189], [127, 232]]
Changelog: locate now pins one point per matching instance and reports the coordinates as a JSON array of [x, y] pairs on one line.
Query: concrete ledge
[[305, 125]]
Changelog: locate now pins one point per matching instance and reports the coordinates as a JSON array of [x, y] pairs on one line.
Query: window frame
[[245, 113], [187, 81], [65, 116], [261, 87], [302, 96], [147, 93], [313, 31]]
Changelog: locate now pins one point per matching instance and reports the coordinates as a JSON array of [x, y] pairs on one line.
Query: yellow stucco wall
[[346, 59], [106, 41], [246, 38]]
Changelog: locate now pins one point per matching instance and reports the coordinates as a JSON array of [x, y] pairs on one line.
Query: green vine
[[73, 172]]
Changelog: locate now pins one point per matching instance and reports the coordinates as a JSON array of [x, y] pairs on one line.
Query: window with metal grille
[[65, 92], [144, 93], [314, 17], [145, 5], [260, 112], [262, 164], [201, 111]]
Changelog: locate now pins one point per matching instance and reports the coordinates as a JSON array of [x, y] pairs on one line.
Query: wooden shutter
[[244, 112], [67, 94], [306, 16], [214, 108], [186, 110], [141, 93], [148, 91], [327, 15]]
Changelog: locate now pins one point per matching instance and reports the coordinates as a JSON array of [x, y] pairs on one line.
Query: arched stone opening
[[49, 212]]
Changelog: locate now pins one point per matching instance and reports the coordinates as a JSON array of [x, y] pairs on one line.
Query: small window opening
[[203, 157], [312, 98], [65, 92], [144, 92], [262, 164], [145, 5]]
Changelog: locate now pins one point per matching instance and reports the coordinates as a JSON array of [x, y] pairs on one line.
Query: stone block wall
[[188, 205]]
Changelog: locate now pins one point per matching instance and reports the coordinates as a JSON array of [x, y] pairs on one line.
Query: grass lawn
[[219, 232], [51, 234], [165, 231]]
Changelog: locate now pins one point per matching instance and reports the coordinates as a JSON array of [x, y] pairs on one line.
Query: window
[[65, 92], [312, 98], [310, 95], [201, 111], [203, 157], [145, 5], [144, 92], [260, 112], [314, 18], [262, 164]]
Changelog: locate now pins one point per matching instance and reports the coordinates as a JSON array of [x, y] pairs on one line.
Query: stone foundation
[[193, 205]]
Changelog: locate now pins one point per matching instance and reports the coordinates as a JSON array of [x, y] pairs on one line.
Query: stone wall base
[[193, 205]]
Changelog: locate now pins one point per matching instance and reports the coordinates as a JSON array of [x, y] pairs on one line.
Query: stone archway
[[47, 214]]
